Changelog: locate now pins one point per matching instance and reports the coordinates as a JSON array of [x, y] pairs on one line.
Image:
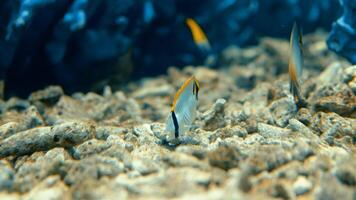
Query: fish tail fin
[[204, 47], [295, 90]]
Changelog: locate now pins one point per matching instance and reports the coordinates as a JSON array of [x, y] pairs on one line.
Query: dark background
[[86, 44]]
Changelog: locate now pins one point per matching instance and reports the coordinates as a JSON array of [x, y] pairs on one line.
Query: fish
[[183, 110], [295, 66], [198, 35]]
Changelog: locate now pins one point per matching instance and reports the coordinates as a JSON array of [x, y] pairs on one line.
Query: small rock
[[299, 127], [90, 147], [239, 116], [104, 189], [205, 75], [50, 188], [31, 173], [6, 176], [330, 134], [103, 132], [227, 132], [304, 116], [352, 85], [225, 157], [268, 131], [214, 117], [331, 75], [194, 150], [144, 166], [9, 129], [30, 119], [144, 134], [115, 140], [322, 122], [44, 138], [279, 191], [158, 130], [265, 157], [49, 95], [239, 131], [244, 182], [345, 171], [16, 104], [67, 109], [330, 188], [183, 160], [9, 196], [341, 104], [254, 139], [282, 110], [92, 168], [219, 105], [133, 108], [349, 74], [302, 185]]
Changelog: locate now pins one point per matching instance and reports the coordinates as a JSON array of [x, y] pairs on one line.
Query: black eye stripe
[[176, 126], [195, 90]]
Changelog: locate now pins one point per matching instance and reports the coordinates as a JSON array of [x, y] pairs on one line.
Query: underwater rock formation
[[84, 45], [342, 38], [246, 143]]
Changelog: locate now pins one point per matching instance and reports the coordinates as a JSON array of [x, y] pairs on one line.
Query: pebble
[[302, 185], [269, 131], [44, 138]]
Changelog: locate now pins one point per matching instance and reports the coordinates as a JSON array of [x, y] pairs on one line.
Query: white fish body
[[183, 111], [296, 54]]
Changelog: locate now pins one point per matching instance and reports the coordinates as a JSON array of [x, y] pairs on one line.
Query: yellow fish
[[295, 63], [183, 110], [198, 34]]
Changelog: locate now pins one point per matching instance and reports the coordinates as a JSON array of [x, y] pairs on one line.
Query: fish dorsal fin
[[296, 50], [188, 90]]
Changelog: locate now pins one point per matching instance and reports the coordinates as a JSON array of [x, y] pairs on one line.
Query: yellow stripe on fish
[[198, 34], [183, 110]]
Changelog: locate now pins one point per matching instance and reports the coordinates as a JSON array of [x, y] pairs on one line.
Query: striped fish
[[183, 110], [199, 36], [295, 62]]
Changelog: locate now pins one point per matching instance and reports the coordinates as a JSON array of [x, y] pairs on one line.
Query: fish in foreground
[[183, 110], [296, 65]]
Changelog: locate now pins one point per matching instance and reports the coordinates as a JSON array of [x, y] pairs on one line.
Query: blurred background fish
[[202, 42], [198, 35]]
